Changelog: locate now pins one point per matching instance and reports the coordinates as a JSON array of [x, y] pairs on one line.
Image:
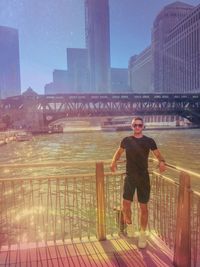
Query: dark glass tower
[[9, 63], [98, 44]]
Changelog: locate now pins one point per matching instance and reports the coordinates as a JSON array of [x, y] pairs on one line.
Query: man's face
[[137, 126]]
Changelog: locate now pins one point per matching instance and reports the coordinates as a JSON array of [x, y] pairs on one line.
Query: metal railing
[[39, 210], [60, 207], [175, 214]]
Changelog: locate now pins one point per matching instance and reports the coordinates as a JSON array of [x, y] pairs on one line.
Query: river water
[[179, 147]]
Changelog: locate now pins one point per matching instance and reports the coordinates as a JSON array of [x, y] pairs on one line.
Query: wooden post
[[101, 209], [182, 249]]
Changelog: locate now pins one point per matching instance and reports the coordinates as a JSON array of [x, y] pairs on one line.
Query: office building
[[140, 72], [181, 55], [49, 89], [98, 44], [60, 84], [10, 84], [60, 81], [119, 80], [165, 21], [78, 75]]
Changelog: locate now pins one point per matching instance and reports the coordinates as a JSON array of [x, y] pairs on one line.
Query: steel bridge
[[54, 107]]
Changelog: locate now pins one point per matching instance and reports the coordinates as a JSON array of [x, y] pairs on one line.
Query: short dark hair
[[137, 118]]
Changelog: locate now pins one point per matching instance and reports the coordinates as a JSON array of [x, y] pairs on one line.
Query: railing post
[[101, 209], [182, 249]]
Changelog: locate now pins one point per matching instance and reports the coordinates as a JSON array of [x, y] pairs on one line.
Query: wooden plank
[[111, 252]]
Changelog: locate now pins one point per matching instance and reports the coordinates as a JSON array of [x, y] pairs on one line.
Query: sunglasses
[[139, 125]]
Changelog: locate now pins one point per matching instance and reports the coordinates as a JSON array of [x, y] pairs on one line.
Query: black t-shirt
[[137, 152]]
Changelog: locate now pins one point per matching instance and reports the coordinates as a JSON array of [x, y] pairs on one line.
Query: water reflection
[[180, 147]]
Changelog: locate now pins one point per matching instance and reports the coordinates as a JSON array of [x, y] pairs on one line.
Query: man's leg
[[143, 192], [127, 217], [143, 216], [127, 211], [142, 241], [129, 189]]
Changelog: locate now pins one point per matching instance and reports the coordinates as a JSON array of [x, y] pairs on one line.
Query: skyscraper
[[119, 80], [140, 66], [77, 65], [181, 55], [165, 21], [60, 81], [9, 63], [98, 44]]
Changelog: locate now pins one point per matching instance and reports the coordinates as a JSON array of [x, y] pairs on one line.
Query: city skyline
[[47, 29]]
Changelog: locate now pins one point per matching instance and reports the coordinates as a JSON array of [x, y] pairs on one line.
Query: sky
[[47, 27]]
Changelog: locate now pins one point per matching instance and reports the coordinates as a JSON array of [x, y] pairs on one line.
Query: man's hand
[[113, 166], [162, 166]]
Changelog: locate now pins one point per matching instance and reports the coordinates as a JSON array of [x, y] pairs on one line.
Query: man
[[137, 147]]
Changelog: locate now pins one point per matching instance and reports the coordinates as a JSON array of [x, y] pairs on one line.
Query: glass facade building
[[10, 84], [98, 44]]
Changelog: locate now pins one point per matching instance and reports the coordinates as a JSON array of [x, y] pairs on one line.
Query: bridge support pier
[[33, 118]]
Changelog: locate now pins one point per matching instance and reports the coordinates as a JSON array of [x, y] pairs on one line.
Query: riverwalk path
[[114, 251]]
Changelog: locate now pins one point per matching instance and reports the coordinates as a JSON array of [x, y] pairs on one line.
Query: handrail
[[166, 178], [53, 163], [196, 193], [177, 168], [47, 164], [57, 177], [81, 163]]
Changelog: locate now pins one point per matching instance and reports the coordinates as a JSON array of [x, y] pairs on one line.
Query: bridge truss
[[58, 106]]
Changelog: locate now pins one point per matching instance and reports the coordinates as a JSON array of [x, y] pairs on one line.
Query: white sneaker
[[130, 230], [142, 241]]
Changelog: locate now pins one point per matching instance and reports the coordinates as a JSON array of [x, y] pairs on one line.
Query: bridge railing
[[175, 213], [39, 209]]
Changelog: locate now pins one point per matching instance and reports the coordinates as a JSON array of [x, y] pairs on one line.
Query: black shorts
[[139, 182]]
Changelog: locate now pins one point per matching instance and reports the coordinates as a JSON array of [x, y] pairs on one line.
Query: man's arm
[[116, 157], [161, 160]]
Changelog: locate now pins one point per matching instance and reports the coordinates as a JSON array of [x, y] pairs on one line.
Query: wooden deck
[[115, 251]]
